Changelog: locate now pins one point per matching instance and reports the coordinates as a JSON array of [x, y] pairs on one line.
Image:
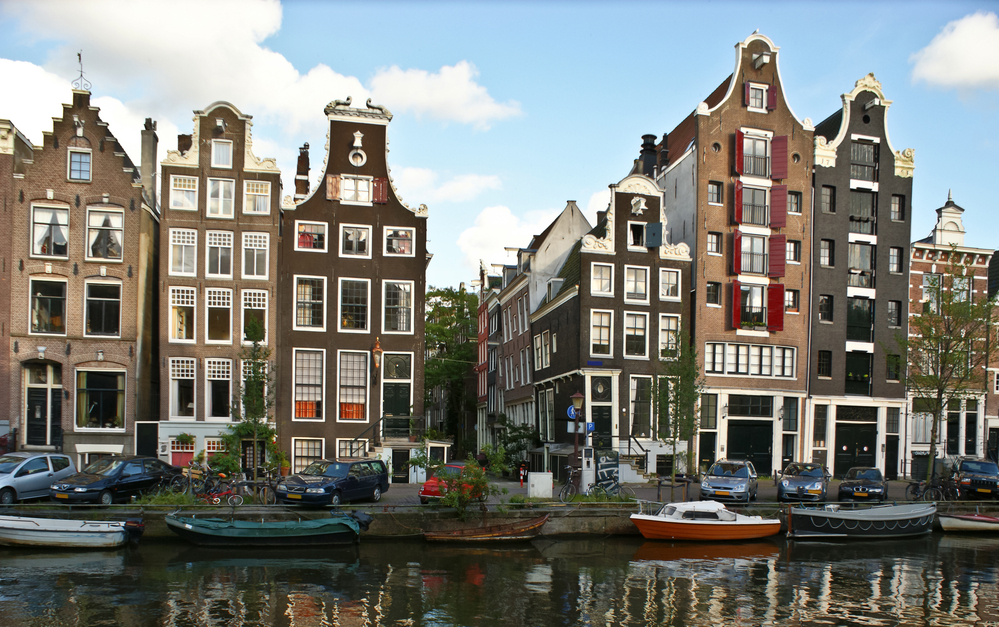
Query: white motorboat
[[700, 520], [67, 533]]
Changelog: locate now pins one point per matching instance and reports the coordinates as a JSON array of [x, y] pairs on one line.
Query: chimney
[[648, 155], [302, 174], [663, 153], [183, 143], [148, 159]]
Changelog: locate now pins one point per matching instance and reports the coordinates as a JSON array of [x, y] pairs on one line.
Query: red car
[[434, 486]]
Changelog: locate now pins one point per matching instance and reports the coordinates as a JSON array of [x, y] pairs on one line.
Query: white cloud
[[497, 227], [597, 202], [964, 55], [420, 184]]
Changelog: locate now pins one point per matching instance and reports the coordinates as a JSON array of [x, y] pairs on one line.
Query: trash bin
[[539, 485]]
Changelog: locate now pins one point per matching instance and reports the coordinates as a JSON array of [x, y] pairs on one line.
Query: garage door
[[752, 440]]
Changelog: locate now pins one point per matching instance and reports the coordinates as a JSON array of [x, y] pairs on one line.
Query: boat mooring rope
[[875, 525]]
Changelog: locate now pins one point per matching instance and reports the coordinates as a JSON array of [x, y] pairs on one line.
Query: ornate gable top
[[342, 108]]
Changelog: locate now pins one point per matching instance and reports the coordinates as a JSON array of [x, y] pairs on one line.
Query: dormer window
[[355, 189], [221, 153], [636, 235], [79, 165]]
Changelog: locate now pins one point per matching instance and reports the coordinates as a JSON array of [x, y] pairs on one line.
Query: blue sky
[[503, 111]]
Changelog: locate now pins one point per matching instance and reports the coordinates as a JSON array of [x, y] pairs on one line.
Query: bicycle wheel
[[567, 493], [912, 492], [265, 495], [599, 492], [627, 493], [933, 494], [235, 499]]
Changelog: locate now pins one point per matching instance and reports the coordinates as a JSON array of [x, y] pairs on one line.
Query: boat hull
[[890, 521], [213, 532], [58, 533], [969, 522], [658, 528], [514, 532]]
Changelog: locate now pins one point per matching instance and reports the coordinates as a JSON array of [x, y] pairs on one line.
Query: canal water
[[935, 580]]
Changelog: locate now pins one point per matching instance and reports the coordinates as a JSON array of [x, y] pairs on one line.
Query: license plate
[[860, 493], [294, 496], [721, 493], [66, 496], [984, 490], [815, 491]]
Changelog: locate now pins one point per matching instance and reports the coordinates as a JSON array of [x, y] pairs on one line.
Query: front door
[[706, 450], [752, 440], [38, 417], [855, 446], [891, 457], [43, 404], [400, 466], [602, 427], [993, 451]]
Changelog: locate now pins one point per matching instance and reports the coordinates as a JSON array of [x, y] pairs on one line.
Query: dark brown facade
[[352, 290]]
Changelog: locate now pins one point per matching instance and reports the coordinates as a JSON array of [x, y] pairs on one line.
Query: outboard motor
[[363, 520]]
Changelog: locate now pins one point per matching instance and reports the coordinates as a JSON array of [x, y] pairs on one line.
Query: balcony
[[404, 428], [860, 385], [756, 166], [754, 263], [754, 214], [753, 316], [862, 224], [861, 278]]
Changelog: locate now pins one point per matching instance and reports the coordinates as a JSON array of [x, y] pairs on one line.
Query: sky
[[504, 111]]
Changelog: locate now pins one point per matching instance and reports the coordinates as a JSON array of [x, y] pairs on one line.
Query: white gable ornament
[[638, 206]]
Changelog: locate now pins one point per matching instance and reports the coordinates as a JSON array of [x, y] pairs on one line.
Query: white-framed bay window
[[218, 389], [397, 300], [256, 255], [218, 316], [254, 308], [184, 193]]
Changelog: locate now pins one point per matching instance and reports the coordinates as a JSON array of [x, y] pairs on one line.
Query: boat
[[67, 532], [969, 522], [337, 529], [700, 520], [880, 521], [511, 532]]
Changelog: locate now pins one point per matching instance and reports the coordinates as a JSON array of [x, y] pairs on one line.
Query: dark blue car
[[335, 481]]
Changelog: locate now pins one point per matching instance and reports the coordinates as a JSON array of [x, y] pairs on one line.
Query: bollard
[[523, 473]]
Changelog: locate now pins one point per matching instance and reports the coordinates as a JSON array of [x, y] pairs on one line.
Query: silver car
[[29, 475], [730, 480], [803, 482]]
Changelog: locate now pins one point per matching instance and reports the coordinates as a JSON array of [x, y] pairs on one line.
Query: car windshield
[[326, 469], [804, 471], [448, 472], [104, 466], [8, 463], [872, 474], [729, 470], [978, 468]]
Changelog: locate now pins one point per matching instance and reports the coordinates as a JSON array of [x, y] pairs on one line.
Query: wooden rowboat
[[67, 533], [512, 532], [700, 520], [969, 522]]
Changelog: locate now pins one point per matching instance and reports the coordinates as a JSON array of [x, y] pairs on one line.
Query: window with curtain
[[100, 398]]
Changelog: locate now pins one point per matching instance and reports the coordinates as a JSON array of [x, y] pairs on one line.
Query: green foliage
[[517, 439], [470, 486], [167, 498], [676, 391], [451, 341]]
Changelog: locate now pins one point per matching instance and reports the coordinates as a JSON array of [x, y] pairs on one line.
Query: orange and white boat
[[700, 520]]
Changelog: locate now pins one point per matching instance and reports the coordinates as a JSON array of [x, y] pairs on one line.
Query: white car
[[29, 475]]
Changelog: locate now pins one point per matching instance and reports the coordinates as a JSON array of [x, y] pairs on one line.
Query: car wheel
[[7, 497], [754, 495], [377, 494], [335, 499], [106, 498]]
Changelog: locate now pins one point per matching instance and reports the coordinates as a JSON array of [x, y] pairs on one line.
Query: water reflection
[[940, 580]]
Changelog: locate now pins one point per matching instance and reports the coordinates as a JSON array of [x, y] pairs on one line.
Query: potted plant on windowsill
[[185, 438], [282, 462]]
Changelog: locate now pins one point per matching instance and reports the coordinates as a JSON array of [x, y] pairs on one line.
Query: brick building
[[80, 271]]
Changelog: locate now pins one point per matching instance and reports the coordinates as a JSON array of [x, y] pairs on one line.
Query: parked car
[[863, 483], [730, 480], [335, 481], [111, 479], [976, 477], [29, 475], [803, 482], [436, 485]]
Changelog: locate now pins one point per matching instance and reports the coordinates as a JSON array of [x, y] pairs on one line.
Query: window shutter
[[737, 199], [775, 308], [736, 252], [778, 206], [380, 191], [771, 98], [745, 93], [778, 254], [736, 305], [332, 187], [738, 151], [778, 157]]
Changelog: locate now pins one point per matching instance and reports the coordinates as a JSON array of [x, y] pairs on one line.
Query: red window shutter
[[381, 191], [736, 252], [771, 98], [332, 187], [737, 208], [775, 308], [736, 305], [778, 206], [778, 253], [745, 93], [778, 157], [738, 152]]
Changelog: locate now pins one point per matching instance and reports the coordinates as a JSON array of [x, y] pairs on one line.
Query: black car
[[863, 483], [111, 479], [335, 481], [976, 478]]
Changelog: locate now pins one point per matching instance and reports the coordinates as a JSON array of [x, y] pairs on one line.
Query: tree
[[516, 439], [949, 342], [451, 344], [677, 388], [471, 485]]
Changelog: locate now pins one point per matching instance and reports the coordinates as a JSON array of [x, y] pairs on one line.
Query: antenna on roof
[[81, 82]]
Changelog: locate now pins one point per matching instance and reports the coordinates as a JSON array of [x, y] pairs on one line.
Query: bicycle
[[569, 490], [260, 491], [923, 491], [219, 492]]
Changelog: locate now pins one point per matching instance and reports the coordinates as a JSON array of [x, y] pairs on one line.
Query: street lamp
[[577, 406]]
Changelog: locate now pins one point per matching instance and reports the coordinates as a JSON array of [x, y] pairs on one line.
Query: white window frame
[[679, 286], [49, 278], [69, 216], [339, 306], [294, 457], [632, 389], [176, 206], [664, 329], [385, 241], [353, 177], [593, 290], [220, 236], [891, 250], [170, 257], [412, 306], [246, 297], [525, 366], [248, 244], [294, 379], [718, 239], [624, 335], [221, 215], [192, 363], [183, 291], [721, 193], [610, 337], [537, 352], [360, 445], [636, 301], [294, 299], [232, 154], [761, 87], [789, 246], [210, 364], [546, 348], [635, 247], [208, 295], [346, 255], [69, 164], [367, 387], [121, 233], [86, 288], [326, 236], [248, 195]]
